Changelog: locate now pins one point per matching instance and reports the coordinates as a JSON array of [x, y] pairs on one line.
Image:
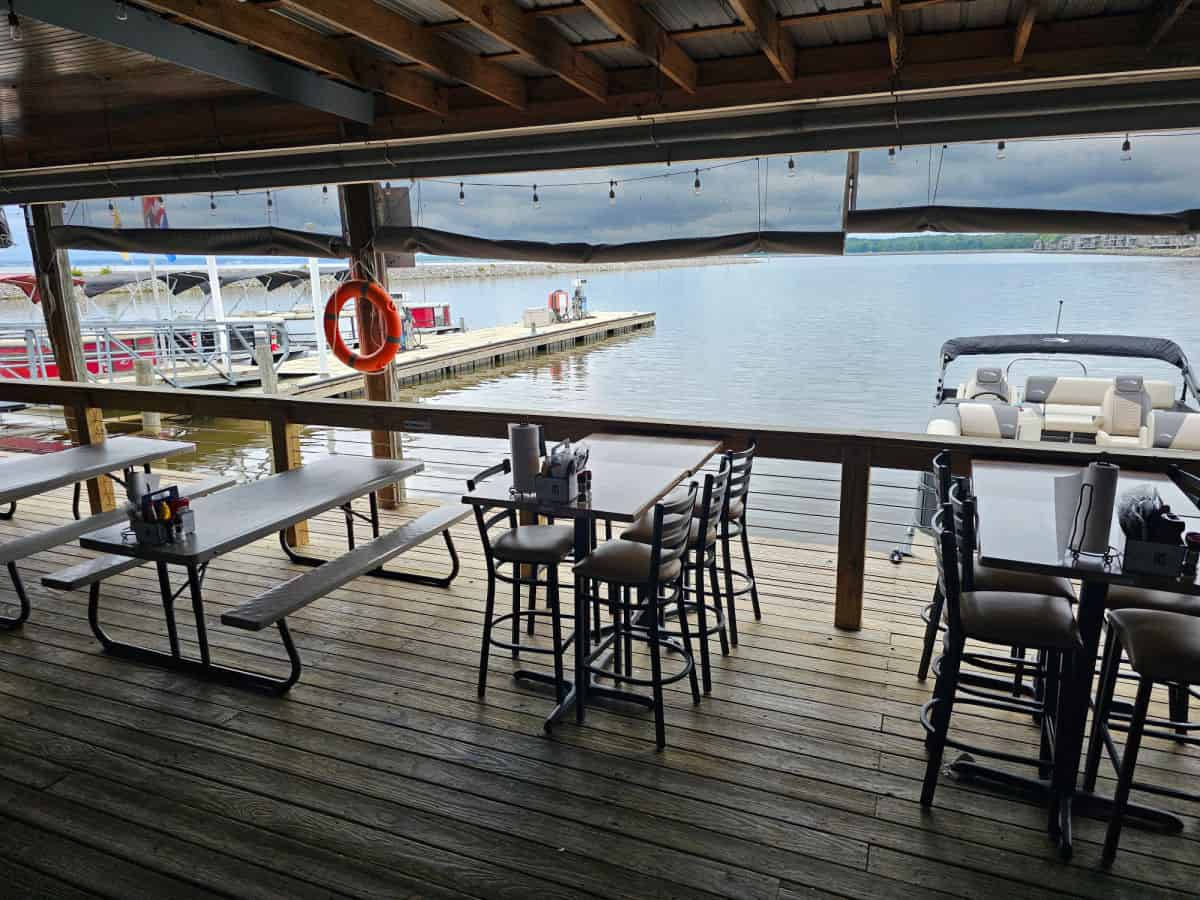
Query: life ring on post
[[363, 291]]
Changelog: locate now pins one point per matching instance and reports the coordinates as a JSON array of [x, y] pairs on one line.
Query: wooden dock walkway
[[445, 355], [382, 775]]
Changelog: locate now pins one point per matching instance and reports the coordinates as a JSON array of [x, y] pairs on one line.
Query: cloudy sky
[[656, 202]]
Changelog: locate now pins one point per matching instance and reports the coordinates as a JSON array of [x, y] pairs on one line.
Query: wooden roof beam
[[1162, 19], [895, 31], [389, 30], [627, 19], [1024, 29], [248, 24], [535, 40], [772, 37]]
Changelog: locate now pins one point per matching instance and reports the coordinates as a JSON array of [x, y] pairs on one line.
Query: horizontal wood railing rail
[[856, 451]]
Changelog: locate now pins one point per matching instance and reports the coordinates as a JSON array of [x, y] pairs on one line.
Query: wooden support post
[[267, 378], [360, 214], [52, 268], [143, 373], [852, 537], [285, 455]]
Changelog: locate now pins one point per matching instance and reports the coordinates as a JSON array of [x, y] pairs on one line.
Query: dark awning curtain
[[395, 239], [200, 241], [1075, 344], [979, 219]]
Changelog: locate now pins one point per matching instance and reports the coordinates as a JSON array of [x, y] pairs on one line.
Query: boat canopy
[[178, 282], [1078, 344]]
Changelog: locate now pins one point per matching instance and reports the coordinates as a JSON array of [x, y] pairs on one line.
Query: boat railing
[[179, 350]]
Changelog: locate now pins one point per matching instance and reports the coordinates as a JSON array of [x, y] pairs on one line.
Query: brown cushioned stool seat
[[1027, 620], [1161, 646], [624, 562], [642, 531], [1123, 596], [534, 544], [989, 579]]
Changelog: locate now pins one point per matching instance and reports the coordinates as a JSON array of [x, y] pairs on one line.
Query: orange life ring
[[363, 291]]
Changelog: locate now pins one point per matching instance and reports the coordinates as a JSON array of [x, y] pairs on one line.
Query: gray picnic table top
[[31, 474], [253, 510]]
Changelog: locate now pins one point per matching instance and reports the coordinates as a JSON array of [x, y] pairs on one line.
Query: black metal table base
[[8, 623], [174, 659]]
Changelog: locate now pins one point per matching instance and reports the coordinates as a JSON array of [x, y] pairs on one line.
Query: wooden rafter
[[535, 40], [772, 37], [261, 28], [1162, 19], [895, 31], [383, 28], [1024, 29], [638, 27]]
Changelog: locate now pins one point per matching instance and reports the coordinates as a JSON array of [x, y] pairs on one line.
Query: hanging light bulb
[[1126, 150], [612, 193], [536, 200], [14, 24], [212, 204], [462, 195], [696, 184], [110, 206], [1000, 150], [270, 202], [122, 12], [791, 168], [324, 193], [891, 156], [387, 188]]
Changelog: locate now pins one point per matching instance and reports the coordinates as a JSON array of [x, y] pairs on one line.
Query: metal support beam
[[149, 33]]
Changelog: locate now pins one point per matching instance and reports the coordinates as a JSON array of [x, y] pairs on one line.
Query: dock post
[[852, 537], [318, 315], [143, 371], [267, 377], [285, 455], [57, 289]]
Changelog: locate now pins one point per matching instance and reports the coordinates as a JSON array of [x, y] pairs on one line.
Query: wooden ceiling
[[460, 66]]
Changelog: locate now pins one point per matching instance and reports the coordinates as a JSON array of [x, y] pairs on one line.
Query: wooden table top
[[688, 454], [1018, 523], [33, 474]]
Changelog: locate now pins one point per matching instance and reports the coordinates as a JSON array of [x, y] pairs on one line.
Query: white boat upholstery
[[1162, 393], [1124, 414], [987, 384], [975, 418], [1174, 430]]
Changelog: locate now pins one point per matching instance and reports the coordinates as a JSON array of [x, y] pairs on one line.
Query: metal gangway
[[183, 353]]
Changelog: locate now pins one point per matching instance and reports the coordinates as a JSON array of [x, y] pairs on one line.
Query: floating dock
[[448, 355]]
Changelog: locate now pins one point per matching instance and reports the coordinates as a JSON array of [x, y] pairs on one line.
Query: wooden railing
[[857, 452]]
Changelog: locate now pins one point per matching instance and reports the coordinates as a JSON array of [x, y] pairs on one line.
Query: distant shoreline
[[467, 270]]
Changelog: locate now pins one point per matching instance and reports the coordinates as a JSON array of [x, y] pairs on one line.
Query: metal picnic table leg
[[8, 623]]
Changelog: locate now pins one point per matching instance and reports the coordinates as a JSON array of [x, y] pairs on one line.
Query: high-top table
[[231, 519], [629, 475], [1018, 531]]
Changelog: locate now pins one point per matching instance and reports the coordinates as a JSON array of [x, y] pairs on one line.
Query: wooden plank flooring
[[381, 773]]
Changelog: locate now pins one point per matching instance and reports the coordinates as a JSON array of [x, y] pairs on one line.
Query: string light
[[122, 12], [612, 193], [1126, 150], [14, 24], [891, 156], [387, 188], [791, 167], [536, 200], [324, 193], [110, 206], [696, 184], [212, 204], [1000, 150], [462, 194], [270, 202]]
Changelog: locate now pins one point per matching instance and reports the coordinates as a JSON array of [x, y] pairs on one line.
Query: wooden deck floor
[[382, 774]]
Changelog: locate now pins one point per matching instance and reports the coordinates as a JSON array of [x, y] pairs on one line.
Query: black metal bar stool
[[1162, 648], [1005, 618], [732, 524], [701, 559], [654, 572], [538, 547]]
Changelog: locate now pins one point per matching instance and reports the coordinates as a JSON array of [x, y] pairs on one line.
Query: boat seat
[[1069, 404], [1174, 430], [1162, 393], [1124, 414], [987, 384], [975, 418]]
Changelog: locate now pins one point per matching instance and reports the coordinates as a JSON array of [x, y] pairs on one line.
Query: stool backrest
[[672, 528], [739, 465], [487, 517], [966, 529], [942, 476], [946, 543], [712, 501]]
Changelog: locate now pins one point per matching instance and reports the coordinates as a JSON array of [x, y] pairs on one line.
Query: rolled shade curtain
[[978, 219], [444, 243], [266, 241]]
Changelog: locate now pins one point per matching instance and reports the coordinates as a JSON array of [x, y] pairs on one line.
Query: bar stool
[[1162, 648], [654, 572], [701, 558], [1005, 618], [978, 577], [731, 524], [535, 546]]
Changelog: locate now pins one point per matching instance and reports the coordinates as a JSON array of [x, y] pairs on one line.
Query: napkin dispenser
[[558, 481], [1154, 542]]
